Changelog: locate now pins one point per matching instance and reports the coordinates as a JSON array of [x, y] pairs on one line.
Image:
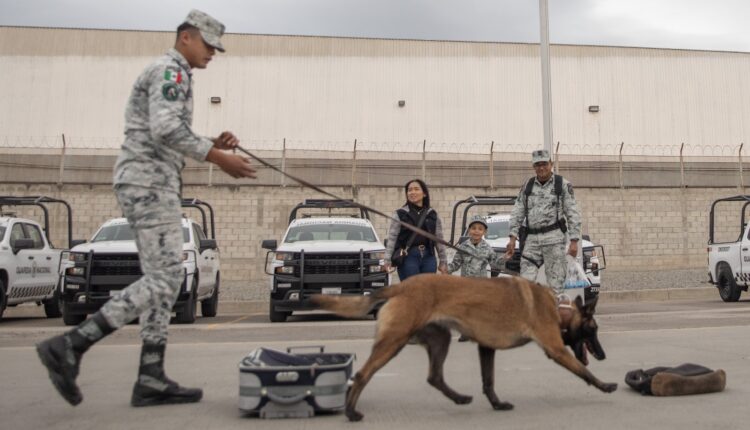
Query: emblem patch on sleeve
[[170, 91]]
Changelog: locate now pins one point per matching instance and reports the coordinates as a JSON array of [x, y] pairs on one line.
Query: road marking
[[213, 326]]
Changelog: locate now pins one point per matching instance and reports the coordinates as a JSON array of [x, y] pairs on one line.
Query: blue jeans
[[417, 261]]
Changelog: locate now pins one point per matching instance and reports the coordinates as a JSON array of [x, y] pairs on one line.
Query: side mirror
[[207, 244], [20, 244], [76, 242], [385, 243], [269, 244]]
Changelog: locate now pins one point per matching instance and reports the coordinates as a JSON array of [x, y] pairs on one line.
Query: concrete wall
[[641, 229]]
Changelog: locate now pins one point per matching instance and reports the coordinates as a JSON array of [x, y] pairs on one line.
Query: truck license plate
[[331, 290]]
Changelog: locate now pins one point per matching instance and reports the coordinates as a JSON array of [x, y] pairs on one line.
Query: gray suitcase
[[274, 384]]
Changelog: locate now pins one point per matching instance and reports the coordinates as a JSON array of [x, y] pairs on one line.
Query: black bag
[[398, 259], [676, 381]]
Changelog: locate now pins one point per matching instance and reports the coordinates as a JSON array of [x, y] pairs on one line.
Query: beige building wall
[[322, 93]]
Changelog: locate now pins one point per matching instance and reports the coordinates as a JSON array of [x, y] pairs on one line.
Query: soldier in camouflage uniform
[[147, 182], [546, 218], [475, 265]]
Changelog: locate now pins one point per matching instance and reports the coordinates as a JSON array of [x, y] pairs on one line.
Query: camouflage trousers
[[552, 257], [155, 217]]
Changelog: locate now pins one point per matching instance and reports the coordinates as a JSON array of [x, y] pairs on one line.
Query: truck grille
[[116, 265], [329, 264]]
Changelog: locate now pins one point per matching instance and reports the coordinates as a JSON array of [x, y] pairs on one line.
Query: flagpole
[[546, 81]]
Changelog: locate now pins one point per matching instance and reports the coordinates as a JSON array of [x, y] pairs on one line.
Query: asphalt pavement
[[206, 354]]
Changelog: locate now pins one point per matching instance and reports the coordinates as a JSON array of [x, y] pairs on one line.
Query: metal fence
[[70, 159]]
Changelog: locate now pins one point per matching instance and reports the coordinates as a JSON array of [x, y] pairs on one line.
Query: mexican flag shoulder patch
[[173, 75]]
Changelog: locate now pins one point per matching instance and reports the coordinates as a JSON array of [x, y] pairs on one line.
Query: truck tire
[[3, 298], [188, 315], [277, 316], [210, 306], [728, 288], [71, 318], [52, 305]]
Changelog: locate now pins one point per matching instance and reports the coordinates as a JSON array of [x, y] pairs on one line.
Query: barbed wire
[[564, 150]]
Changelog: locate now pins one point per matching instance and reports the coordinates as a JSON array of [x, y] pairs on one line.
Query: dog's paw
[[354, 416], [502, 406], [609, 387], [463, 400]]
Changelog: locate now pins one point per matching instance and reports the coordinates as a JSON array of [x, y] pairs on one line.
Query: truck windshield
[[123, 232], [330, 232], [497, 229]]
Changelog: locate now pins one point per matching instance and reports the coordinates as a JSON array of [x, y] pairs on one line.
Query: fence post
[[622, 184], [354, 166], [492, 165], [62, 163], [742, 182], [424, 160], [557, 158], [283, 162], [682, 167]]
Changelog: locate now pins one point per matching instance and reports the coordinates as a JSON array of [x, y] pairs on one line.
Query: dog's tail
[[355, 306]]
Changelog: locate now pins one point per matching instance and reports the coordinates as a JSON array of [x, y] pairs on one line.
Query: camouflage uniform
[[473, 266], [546, 248], [148, 184]]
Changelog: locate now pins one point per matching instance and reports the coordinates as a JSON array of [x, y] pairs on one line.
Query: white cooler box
[[274, 384]]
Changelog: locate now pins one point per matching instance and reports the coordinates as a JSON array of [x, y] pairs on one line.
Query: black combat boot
[[61, 355], [153, 387]]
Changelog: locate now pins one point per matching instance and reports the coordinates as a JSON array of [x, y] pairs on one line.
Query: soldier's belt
[[545, 229]]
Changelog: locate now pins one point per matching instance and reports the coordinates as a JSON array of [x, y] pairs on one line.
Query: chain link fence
[[88, 160]]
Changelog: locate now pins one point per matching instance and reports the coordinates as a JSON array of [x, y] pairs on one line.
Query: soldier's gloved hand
[[226, 140], [234, 165]]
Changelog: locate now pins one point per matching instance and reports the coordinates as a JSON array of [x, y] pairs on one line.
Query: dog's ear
[[588, 308], [579, 304]]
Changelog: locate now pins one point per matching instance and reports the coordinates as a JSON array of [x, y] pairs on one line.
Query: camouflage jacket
[[476, 267], [544, 210], [158, 121]]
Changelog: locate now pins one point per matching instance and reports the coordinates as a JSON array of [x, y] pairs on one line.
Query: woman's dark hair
[[426, 200]]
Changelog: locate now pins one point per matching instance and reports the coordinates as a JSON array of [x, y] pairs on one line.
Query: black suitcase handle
[[320, 348]]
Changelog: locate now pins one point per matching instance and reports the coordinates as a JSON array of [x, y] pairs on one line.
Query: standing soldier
[[544, 212], [147, 183]]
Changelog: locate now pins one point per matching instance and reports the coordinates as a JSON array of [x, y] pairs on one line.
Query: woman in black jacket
[[414, 253]]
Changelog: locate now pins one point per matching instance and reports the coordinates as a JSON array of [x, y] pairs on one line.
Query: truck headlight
[[78, 257], [76, 271], [378, 255], [284, 256], [288, 270]]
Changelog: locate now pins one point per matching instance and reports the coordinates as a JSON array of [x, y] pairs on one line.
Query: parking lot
[[206, 354]]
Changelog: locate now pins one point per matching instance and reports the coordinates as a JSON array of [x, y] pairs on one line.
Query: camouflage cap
[[478, 219], [211, 29], [539, 156]]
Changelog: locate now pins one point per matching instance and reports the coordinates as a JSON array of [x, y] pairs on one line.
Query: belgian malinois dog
[[498, 313]]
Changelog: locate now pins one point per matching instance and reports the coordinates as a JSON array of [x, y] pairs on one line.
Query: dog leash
[[314, 187]]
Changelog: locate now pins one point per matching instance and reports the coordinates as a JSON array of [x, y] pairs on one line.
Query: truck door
[[206, 261], [744, 276], [41, 259]]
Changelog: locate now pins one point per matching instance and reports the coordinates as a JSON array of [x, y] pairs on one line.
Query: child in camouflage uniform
[[476, 245], [476, 266]]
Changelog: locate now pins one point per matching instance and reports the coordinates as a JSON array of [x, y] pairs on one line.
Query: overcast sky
[[690, 24]]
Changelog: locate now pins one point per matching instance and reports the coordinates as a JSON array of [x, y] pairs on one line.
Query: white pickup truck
[[96, 270], [729, 247], [323, 255], [29, 263]]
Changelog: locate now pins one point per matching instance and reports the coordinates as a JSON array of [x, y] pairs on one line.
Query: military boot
[[61, 355], [153, 387]]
